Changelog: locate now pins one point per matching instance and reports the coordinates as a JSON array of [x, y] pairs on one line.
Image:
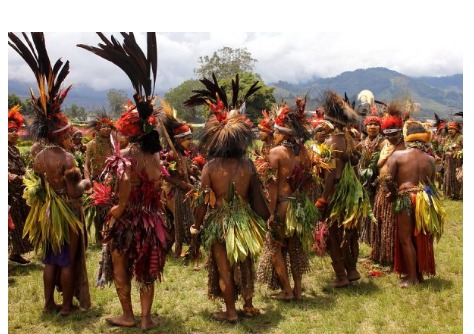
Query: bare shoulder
[[91, 144]]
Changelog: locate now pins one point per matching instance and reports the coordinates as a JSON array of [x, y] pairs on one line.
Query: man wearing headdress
[[293, 214], [54, 189], [367, 168], [231, 230], [344, 202], [383, 234], [260, 154], [265, 131], [99, 148], [177, 158], [437, 141], [18, 209], [97, 152], [136, 233], [418, 206], [452, 159]]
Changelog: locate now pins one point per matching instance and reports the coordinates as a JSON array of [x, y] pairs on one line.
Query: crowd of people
[[149, 188]]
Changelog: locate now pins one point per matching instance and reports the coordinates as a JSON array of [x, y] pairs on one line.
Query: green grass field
[[372, 305]]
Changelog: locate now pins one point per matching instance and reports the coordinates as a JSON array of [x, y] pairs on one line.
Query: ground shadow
[[436, 284]]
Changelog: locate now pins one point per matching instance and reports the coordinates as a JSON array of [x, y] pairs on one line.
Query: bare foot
[[65, 311], [122, 321], [298, 294], [283, 296], [148, 323], [54, 308], [353, 275], [407, 283], [224, 317], [340, 282], [250, 311]]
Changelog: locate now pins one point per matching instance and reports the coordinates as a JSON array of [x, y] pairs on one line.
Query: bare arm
[[201, 209], [87, 161], [75, 185], [272, 186], [124, 188]]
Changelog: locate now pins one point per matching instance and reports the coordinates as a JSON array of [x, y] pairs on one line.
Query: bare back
[[411, 166], [283, 158], [52, 163], [219, 173], [144, 164]]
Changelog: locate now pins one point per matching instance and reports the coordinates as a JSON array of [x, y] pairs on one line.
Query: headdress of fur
[[49, 122], [416, 131], [337, 110]]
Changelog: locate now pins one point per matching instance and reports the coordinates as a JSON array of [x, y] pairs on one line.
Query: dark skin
[[408, 168], [51, 164], [104, 134], [181, 179], [150, 165], [282, 158], [217, 174], [340, 158]]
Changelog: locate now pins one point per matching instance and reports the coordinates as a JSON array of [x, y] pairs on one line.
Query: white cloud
[[287, 56]]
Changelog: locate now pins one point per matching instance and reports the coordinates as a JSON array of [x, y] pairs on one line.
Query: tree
[[176, 96], [74, 112], [225, 62], [14, 99], [260, 100], [117, 99]]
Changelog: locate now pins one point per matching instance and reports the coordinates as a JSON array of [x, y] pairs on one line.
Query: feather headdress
[[439, 123], [141, 69], [48, 122], [337, 110], [227, 132], [15, 118], [392, 121], [100, 120], [293, 121], [174, 127], [267, 122]]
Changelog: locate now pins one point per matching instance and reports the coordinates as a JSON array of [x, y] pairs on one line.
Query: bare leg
[[226, 283], [146, 301], [123, 287], [282, 272], [249, 309], [67, 276], [297, 276], [49, 277], [405, 233], [335, 251]]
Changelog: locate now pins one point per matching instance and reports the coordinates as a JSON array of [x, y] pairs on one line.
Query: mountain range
[[440, 95]]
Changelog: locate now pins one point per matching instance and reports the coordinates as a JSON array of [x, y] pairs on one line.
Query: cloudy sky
[[287, 56]]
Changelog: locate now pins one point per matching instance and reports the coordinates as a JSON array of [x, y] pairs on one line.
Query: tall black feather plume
[[140, 69], [47, 105], [213, 90]]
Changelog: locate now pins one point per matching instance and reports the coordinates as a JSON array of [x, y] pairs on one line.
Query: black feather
[[129, 57]]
